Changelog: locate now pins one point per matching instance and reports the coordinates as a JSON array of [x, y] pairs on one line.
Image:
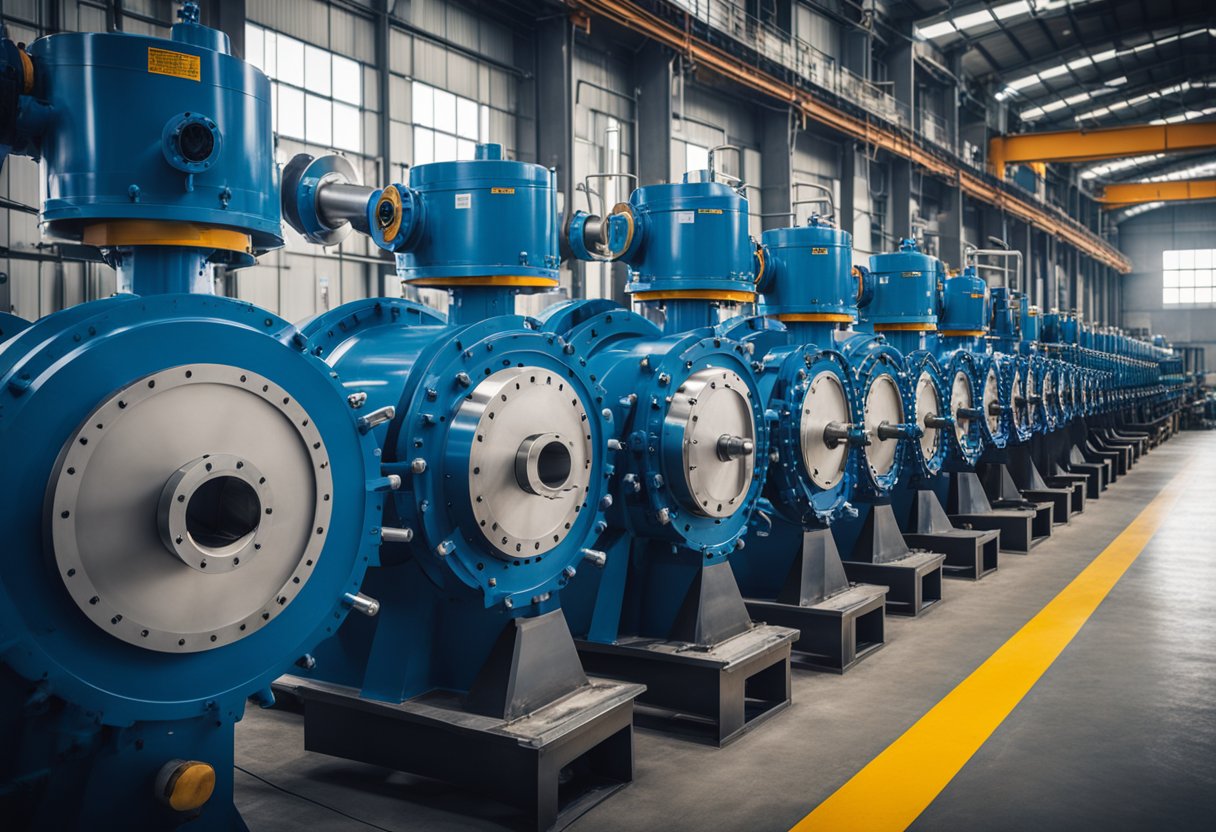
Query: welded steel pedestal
[[880, 556], [838, 623], [713, 694], [554, 764], [969, 508], [970, 553]]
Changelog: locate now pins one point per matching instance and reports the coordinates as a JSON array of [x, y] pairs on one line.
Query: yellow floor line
[[897, 785]]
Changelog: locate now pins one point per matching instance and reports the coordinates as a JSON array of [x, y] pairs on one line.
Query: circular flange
[[152, 441], [883, 405], [960, 399], [991, 401], [1018, 400], [211, 512], [712, 410], [825, 402], [927, 402], [530, 459]]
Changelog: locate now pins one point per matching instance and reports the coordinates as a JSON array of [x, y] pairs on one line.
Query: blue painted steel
[[906, 287], [104, 159], [808, 270], [657, 543], [480, 218], [447, 595], [102, 715], [10, 325], [690, 236]]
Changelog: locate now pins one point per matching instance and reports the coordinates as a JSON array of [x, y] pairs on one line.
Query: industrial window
[[446, 126], [1189, 276], [316, 94]]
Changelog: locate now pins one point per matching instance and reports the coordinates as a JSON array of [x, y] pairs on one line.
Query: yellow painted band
[[905, 327], [391, 196], [484, 280], [27, 72], [892, 791], [698, 294], [815, 318], [156, 233], [962, 333]]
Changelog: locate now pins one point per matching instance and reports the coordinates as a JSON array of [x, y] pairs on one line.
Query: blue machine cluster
[[197, 493]]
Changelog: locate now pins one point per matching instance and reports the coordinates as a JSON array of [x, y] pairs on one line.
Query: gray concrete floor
[[1120, 733]]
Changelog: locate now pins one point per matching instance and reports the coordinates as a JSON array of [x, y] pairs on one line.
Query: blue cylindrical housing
[[187, 133], [483, 218], [690, 237], [808, 270], [905, 288], [964, 304]]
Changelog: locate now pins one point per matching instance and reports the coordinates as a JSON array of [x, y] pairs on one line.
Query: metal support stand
[[697, 684], [838, 623], [1108, 458], [533, 732], [881, 556], [970, 553], [1030, 484], [1096, 473], [1003, 493], [969, 508], [554, 764]]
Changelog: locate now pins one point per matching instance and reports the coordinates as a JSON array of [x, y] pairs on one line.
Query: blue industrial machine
[[172, 538], [902, 409], [937, 320], [666, 610], [791, 572], [1026, 469], [501, 438]]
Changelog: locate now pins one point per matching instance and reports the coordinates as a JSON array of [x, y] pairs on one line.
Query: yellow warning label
[[177, 64], [818, 250], [974, 296], [709, 210], [502, 190]]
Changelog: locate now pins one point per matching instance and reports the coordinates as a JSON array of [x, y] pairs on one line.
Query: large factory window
[[316, 94], [1189, 276], [446, 126]]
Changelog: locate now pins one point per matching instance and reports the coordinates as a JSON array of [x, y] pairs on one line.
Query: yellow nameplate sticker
[[502, 190], [709, 210], [974, 296], [817, 250], [176, 64]]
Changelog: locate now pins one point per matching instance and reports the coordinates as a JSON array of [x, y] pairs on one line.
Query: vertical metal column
[[652, 78], [777, 174]]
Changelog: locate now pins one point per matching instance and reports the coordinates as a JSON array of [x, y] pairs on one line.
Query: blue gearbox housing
[[178, 438], [497, 432], [190, 506], [688, 238], [202, 127], [690, 422]]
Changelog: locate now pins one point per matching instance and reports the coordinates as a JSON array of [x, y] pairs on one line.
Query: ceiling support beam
[[1136, 193], [1093, 145], [874, 133]]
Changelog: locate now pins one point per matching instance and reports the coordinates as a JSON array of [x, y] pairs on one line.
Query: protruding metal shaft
[[732, 447]]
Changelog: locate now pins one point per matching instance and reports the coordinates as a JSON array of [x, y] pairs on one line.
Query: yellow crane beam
[[1137, 193], [1105, 143], [872, 132]]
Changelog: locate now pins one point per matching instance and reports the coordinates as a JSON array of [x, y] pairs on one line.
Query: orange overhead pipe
[[1136, 193], [1092, 145], [898, 143]]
